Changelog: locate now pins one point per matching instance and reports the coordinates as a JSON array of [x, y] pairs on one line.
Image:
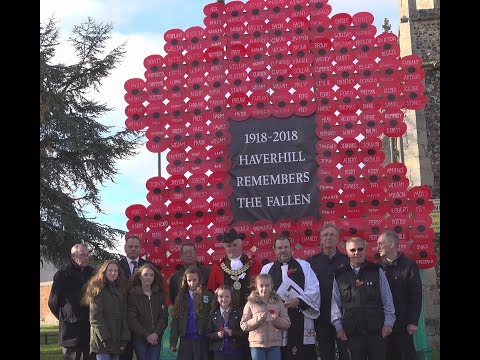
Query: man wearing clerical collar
[[296, 283], [235, 268]]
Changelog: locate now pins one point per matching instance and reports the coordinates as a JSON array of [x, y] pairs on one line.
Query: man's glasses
[[354, 250]]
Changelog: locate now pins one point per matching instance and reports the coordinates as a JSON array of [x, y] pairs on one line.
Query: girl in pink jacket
[[264, 318]]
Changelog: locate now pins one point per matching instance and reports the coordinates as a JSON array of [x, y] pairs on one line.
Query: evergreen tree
[[77, 152]]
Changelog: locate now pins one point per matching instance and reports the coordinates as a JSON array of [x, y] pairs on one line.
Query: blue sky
[[142, 24]]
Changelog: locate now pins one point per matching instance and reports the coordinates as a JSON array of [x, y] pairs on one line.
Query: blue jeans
[[146, 351], [270, 353], [108, 356]]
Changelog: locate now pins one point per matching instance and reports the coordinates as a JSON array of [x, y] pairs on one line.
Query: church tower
[[419, 34]]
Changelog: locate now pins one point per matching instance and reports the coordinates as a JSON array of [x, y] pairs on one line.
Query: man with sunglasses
[[362, 306]]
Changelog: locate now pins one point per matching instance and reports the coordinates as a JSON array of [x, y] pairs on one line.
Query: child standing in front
[[227, 340], [190, 317], [264, 317]]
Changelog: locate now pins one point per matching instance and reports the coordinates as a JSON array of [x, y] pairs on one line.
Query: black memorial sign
[[273, 171]]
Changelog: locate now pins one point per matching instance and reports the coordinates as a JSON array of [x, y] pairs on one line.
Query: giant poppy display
[[275, 127]]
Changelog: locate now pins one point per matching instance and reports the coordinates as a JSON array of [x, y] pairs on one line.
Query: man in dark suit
[[132, 260], [128, 264]]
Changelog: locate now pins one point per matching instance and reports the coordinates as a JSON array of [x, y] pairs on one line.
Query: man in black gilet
[[362, 306]]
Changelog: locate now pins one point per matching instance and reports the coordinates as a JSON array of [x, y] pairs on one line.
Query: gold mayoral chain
[[235, 274]]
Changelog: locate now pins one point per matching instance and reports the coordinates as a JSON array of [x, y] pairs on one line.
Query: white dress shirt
[[130, 264], [236, 264]]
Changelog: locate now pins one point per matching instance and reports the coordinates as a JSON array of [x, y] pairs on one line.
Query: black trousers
[[298, 352], [127, 353], [217, 355], [246, 354], [367, 347], [326, 340], [75, 353], [194, 349], [400, 346]]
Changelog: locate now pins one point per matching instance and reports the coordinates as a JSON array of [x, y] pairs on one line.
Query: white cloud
[[73, 12], [144, 166], [67, 10], [138, 47]]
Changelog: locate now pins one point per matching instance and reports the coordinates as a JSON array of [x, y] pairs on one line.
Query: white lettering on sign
[[278, 179]]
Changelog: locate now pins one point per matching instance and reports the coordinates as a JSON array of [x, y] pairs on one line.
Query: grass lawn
[[52, 351]]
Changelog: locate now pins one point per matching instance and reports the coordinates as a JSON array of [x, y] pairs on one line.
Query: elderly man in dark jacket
[[64, 303], [404, 279], [324, 265]]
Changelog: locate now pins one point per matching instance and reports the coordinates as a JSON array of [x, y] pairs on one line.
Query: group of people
[[106, 313], [347, 307]]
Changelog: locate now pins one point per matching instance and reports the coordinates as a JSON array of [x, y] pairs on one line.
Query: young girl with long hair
[[264, 317], [147, 313], [227, 340], [106, 295], [190, 317]]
